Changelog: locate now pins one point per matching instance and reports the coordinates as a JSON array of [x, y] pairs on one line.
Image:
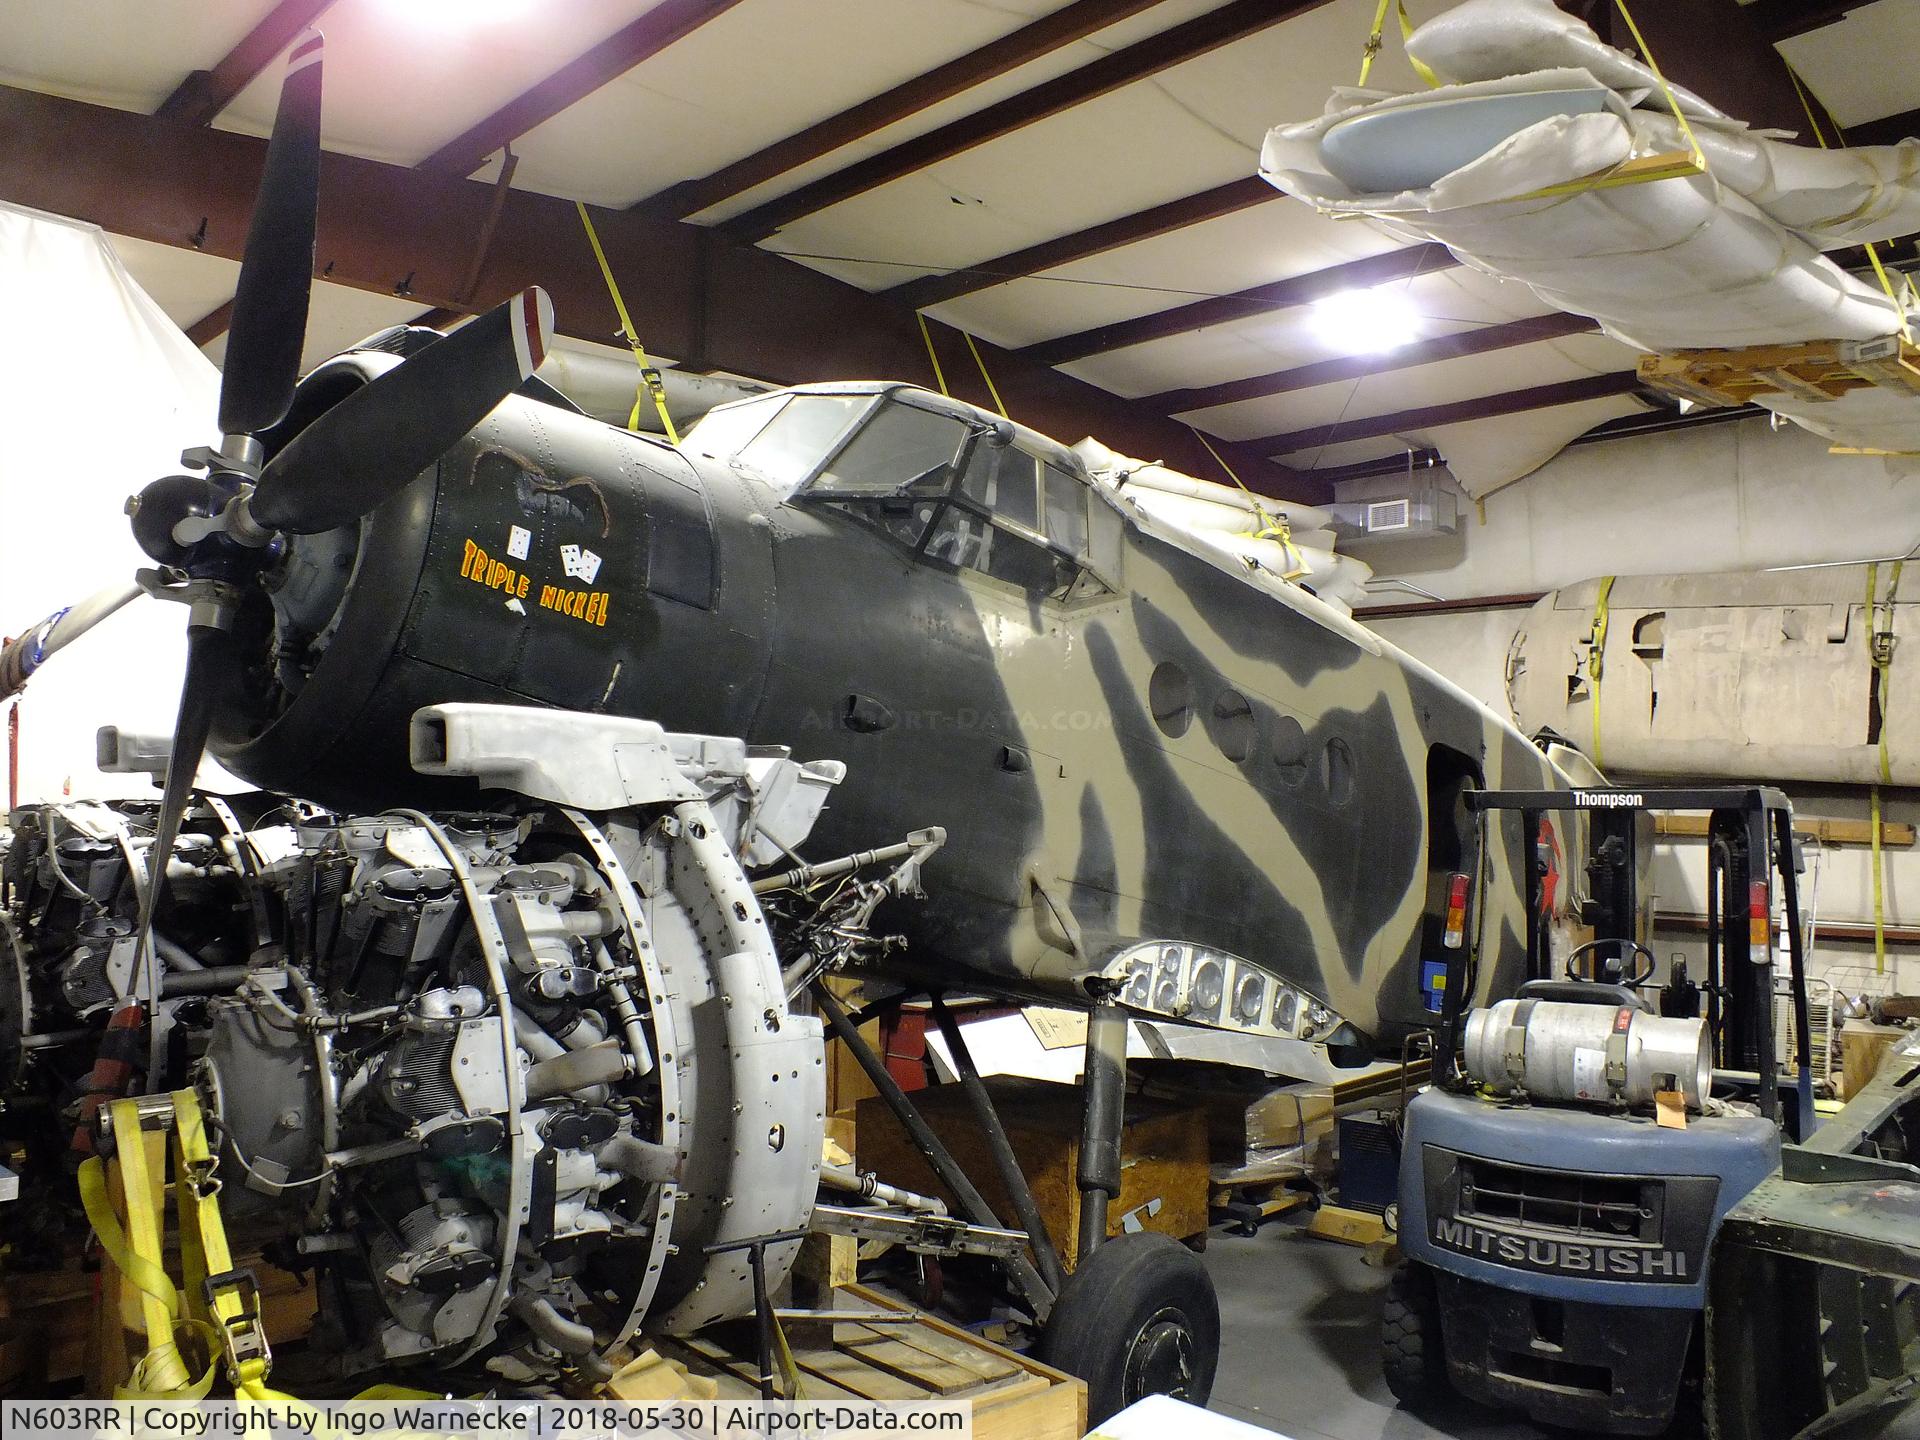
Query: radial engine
[[515, 1082]]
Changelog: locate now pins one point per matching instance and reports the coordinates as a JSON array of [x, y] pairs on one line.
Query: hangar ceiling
[[1070, 183]]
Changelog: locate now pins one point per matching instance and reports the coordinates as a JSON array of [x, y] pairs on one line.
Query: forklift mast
[[1750, 850]]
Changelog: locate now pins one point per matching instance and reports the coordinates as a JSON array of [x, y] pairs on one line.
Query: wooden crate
[[1163, 1156], [1862, 1046], [1013, 1397]]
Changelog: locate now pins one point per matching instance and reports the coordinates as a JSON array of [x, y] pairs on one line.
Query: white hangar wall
[[1735, 496], [103, 392]]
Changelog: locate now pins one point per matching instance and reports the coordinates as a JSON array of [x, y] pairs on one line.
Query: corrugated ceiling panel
[[1453, 300]]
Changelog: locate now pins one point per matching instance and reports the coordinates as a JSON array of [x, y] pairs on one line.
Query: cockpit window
[[722, 431], [791, 446], [1004, 481], [970, 542], [948, 489], [1066, 510], [903, 450]]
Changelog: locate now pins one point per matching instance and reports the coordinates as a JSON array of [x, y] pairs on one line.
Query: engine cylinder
[[1592, 1053]]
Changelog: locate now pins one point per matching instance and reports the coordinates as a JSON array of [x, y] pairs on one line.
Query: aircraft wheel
[[1412, 1351], [1138, 1318]]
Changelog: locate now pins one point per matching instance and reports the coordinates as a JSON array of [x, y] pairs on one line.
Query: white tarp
[[1223, 526], [99, 393], [1728, 258]]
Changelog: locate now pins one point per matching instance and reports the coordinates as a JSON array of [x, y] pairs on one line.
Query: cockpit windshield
[[950, 485], [780, 438]]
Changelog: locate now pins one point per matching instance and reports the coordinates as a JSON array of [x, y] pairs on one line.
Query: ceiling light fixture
[[453, 14], [1363, 322]]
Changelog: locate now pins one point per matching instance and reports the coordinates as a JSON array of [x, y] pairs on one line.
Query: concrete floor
[[1300, 1346]]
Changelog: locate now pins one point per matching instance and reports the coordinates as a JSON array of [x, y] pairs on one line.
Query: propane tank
[[1593, 1053]]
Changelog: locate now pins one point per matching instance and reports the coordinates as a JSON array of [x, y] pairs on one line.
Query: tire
[[1138, 1318], [1412, 1352]]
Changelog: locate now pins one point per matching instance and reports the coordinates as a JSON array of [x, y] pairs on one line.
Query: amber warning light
[[1759, 915], [1456, 912]]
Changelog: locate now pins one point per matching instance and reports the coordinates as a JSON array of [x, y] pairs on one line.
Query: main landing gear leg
[[1106, 1100], [1139, 1315]]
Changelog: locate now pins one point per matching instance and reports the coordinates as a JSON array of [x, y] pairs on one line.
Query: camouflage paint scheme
[[1286, 824]]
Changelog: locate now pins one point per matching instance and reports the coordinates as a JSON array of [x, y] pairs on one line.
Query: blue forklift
[[1563, 1175]]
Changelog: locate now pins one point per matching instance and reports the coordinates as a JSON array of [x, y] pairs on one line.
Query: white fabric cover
[[1487, 455], [1217, 523], [1728, 259], [99, 393], [1488, 39]]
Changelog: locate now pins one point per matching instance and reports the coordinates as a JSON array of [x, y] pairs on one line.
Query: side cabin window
[[1033, 524]]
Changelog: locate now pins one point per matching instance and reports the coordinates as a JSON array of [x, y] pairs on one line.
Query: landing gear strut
[[1105, 1088]]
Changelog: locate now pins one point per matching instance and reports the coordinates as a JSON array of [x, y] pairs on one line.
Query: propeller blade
[[269, 323], [27, 654], [373, 443], [211, 657]]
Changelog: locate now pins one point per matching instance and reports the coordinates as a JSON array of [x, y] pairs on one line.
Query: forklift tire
[[1138, 1317], [1412, 1352]]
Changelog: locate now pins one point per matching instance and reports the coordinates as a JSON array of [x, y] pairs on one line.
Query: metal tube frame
[[1045, 1255], [1025, 1278]]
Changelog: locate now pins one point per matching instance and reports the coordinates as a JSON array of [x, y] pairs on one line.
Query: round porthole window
[[1231, 724], [1290, 749], [1339, 762], [1170, 697]]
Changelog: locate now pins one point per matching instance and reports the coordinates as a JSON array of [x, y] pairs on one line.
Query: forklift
[[1564, 1173]]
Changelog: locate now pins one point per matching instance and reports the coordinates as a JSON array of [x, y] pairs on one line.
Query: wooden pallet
[[1817, 370], [1013, 1397]]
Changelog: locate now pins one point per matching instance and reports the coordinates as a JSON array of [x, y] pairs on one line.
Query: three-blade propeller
[[218, 531]]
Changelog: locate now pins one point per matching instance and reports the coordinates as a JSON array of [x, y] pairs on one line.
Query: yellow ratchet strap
[[1597, 658], [1873, 251], [1378, 37], [136, 1249], [1639, 170], [939, 375], [1880, 642], [789, 1371], [1271, 526], [992, 389], [649, 374], [218, 1301]]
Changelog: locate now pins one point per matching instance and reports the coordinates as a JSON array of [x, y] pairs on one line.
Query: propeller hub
[[163, 504]]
